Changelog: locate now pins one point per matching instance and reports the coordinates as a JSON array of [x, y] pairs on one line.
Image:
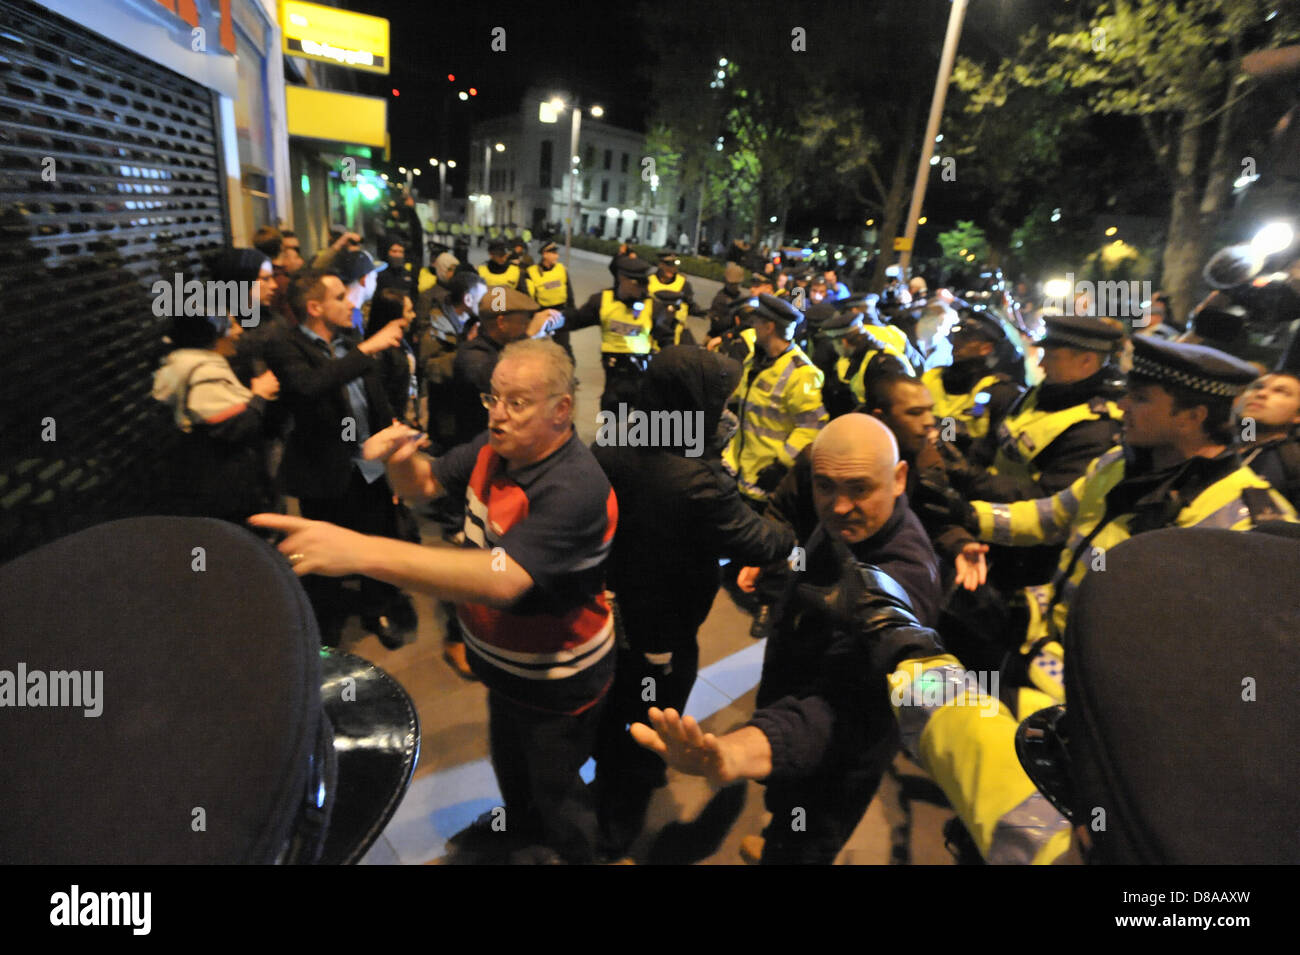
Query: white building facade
[[519, 176]]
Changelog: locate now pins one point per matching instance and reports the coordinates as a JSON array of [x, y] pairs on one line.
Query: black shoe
[[382, 627], [764, 623], [402, 613]]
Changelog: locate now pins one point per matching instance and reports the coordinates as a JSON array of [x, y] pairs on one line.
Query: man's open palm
[[683, 746]]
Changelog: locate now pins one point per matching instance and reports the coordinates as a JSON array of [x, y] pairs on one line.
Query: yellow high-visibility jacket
[[959, 406], [510, 277], [548, 289], [780, 413], [1077, 518], [965, 740]]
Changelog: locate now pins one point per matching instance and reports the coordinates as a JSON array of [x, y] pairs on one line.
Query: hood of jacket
[[171, 382], [687, 379]]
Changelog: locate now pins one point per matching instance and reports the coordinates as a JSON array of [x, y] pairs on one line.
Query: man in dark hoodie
[[664, 571]]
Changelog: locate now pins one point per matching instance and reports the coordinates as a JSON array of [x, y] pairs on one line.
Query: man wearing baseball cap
[[358, 272]]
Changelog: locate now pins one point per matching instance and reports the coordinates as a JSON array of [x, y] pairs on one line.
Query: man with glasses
[[529, 595], [505, 315]]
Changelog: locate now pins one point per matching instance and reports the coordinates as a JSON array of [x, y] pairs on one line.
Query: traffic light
[[451, 77], [473, 91], [397, 92]]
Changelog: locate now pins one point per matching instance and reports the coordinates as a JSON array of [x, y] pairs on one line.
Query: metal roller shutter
[[138, 195]]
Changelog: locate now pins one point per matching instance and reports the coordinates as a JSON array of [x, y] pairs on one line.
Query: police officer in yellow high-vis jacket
[[1124, 760], [626, 316], [667, 279], [1176, 468], [1047, 438], [548, 283], [1054, 430], [498, 270], [970, 396], [780, 400]]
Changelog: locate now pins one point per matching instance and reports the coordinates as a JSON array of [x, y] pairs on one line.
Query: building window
[[544, 167], [589, 157], [622, 193], [609, 158], [626, 157], [585, 218], [681, 204], [512, 181], [604, 190], [586, 187]]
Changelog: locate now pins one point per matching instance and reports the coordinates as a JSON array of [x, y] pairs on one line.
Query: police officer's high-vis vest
[[625, 329], [1075, 517], [970, 408], [780, 413], [676, 285], [855, 376], [965, 738], [550, 288], [1026, 431], [509, 277]]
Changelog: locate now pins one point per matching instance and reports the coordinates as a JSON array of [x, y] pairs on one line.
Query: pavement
[[454, 782]]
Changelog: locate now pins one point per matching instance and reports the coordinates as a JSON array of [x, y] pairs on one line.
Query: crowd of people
[[898, 490]]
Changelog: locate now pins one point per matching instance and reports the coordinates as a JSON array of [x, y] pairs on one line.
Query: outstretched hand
[[684, 746], [316, 547], [972, 569]]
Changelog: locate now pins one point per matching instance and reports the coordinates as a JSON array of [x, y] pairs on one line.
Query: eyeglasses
[[514, 406]]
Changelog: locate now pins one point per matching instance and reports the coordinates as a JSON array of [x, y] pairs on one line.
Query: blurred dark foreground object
[[186, 666]]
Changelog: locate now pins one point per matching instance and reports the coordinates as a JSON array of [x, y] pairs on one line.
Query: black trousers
[[622, 379], [812, 818], [536, 756], [627, 774], [367, 509]]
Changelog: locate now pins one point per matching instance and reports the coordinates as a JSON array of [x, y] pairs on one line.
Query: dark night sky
[[551, 44], [597, 49]]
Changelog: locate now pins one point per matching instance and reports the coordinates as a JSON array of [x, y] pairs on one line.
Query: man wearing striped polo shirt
[[530, 598]]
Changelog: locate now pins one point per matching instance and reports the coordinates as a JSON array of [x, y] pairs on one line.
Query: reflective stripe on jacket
[[965, 740], [780, 413]]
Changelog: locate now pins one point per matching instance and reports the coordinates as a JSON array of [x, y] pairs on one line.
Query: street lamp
[[955, 19], [487, 173], [557, 105]]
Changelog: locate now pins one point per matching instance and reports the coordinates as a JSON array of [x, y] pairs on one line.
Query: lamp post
[[557, 105], [487, 171], [950, 39]]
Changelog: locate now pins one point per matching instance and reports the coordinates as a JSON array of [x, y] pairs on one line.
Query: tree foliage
[[1175, 68]]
